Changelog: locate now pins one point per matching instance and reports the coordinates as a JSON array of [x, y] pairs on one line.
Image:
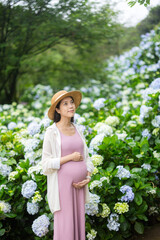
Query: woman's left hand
[[81, 184]]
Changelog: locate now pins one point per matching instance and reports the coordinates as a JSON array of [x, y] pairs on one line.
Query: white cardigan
[[51, 154]]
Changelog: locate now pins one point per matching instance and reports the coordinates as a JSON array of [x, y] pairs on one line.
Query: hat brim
[[77, 96]]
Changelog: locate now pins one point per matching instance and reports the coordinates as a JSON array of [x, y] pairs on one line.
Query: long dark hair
[[57, 116]]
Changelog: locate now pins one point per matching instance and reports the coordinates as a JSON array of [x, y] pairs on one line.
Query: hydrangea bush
[[121, 122]]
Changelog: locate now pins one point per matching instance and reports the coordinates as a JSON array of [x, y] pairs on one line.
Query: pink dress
[[69, 222]]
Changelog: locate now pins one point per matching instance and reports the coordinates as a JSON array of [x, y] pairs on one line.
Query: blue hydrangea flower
[[122, 172], [5, 169], [32, 208], [129, 195], [113, 224], [12, 125], [45, 122], [99, 103], [33, 128], [91, 208], [28, 188], [155, 84], [156, 121], [146, 133], [30, 144], [146, 166], [144, 112], [40, 226]]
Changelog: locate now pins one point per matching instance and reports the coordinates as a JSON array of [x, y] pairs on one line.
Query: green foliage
[[141, 2], [52, 44], [122, 133]]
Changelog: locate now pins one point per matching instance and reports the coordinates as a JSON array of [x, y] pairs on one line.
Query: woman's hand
[[81, 184], [76, 156]]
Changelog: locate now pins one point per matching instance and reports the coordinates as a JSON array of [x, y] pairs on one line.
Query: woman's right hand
[[76, 156]]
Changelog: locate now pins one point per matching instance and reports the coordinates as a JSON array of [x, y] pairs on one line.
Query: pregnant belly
[[72, 172]]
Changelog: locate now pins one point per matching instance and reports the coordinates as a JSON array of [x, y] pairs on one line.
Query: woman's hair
[[57, 116]]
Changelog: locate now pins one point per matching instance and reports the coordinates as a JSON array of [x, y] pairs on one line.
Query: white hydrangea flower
[[32, 208], [135, 104], [28, 188], [106, 129], [156, 155], [80, 120], [146, 166], [33, 128], [156, 121], [155, 84], [146, 133], [12, 176], [125, 110], [12, 125], [35, 170], [97, 160], [153, 211], [151, 191], [5, 169], [40, 226], [95, 183], [132, 123], [5, 207], [92, 234], [91, 208], [140, 85], [122, 172], [112, 121], [99, 103], [113, 224], [3, 186], [45, 122], [86, 100], [121, 136], [31, 156], [96, 141], [30, 144], [144, 112]]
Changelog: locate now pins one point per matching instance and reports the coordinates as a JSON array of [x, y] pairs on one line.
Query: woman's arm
[[49, 162]]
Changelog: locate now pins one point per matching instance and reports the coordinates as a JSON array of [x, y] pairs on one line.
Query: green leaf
[[139, 227], [122, 218], [142, 217], [136, 170], [139, 155], [138, 199], [10, 215], [124, 226], [143, 208], [10, 162], [132, 3], [2, 232]]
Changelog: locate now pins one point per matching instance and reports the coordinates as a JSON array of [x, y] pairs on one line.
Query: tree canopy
[[32, 27]]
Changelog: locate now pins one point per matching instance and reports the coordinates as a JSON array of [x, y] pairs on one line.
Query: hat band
[[60, 96]]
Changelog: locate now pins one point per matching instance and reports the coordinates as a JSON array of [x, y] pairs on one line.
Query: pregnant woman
[[68, 167]]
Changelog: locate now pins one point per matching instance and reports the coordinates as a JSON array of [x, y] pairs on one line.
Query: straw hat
[[77, 96]]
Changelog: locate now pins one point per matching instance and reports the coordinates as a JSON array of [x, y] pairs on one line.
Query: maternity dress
[[69, 222]]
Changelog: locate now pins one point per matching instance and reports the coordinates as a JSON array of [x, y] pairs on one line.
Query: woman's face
[[67, 107]]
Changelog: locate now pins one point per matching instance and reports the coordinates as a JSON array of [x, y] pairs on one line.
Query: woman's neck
[[63, 123]]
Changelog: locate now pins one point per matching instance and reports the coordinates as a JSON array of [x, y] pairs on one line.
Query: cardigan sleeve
[[49, 161], [90, 166]]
